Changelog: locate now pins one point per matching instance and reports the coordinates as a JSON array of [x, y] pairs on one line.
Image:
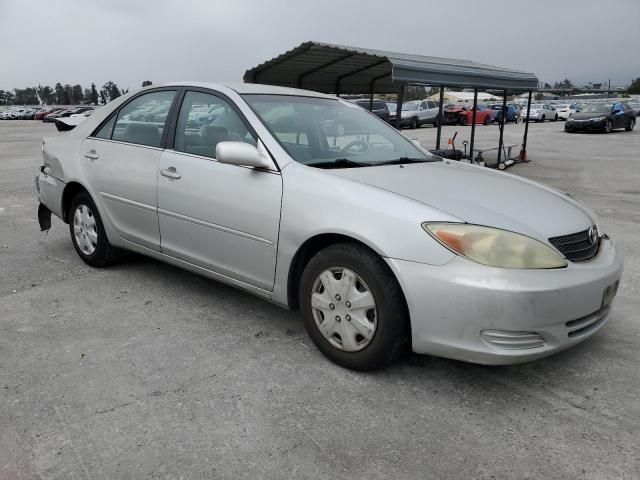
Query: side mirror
[[240, 153]]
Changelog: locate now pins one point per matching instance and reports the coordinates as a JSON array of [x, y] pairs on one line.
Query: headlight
[[494, 247], [598, 119]]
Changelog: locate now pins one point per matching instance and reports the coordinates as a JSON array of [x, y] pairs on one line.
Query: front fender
[[315, 202]]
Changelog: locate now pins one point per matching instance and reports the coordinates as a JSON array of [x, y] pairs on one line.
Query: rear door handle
[[170, 173], [92, 155]]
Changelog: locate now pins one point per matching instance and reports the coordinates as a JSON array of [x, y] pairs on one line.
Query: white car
[[540, 112], [419, 112], [381, 245], [565, 110]]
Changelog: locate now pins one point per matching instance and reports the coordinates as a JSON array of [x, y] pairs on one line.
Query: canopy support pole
[[473, 123], [523, 152], [399, 107], [503, 118], [440, 118]]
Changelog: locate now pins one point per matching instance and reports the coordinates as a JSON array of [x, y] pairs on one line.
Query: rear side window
[[379, 106], [143, 120], [206, 120]]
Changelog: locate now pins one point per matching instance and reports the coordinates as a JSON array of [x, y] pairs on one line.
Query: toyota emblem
[[593, 234]]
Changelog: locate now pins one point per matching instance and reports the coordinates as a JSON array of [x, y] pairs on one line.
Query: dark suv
[[379, 108]]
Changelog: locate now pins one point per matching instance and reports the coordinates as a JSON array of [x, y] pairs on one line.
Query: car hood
[[480, 196], [588, 115]]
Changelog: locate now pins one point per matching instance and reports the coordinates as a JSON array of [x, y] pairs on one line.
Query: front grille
[[576, 246]]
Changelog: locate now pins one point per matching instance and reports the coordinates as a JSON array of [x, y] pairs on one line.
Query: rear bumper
[[50, 191], [494, 316]]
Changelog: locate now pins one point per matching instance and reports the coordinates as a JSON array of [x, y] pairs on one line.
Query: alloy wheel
[[344, 309], [608, 126], [85, 230]]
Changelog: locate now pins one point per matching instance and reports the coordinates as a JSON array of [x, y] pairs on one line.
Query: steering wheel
[[364, 146]]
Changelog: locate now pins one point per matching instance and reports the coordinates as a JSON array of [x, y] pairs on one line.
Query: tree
[[94, 95], [634, 88], [109, 91], [67, 94], [59, 94], [147, 83], [539, 96], [413, 92], [76, 94]]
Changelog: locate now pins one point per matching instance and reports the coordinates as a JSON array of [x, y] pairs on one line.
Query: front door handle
[[92, 155], [170, 173]]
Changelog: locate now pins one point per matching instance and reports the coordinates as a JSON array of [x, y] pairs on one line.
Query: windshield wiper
[[339, 163], [402, 160]]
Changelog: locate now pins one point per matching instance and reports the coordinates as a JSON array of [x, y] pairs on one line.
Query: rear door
[[121, 160], [224, 218]]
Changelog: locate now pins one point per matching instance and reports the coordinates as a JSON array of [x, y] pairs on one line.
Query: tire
[[464, 121], [487, 120], [88, 235], [387, 321], [555, 119], [542, 119], [630, 125], [414, 123], [608, 126]]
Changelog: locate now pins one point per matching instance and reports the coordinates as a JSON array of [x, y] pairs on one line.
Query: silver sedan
[[380, 245]]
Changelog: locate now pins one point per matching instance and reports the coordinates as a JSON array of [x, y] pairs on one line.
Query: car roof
[[251, 88]]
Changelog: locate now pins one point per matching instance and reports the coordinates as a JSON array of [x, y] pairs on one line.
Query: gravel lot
[[146, 371]]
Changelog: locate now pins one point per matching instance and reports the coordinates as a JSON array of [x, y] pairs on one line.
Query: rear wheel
[[88, 235], [630, 125], [353, 308], [542, 119], [487, 120]]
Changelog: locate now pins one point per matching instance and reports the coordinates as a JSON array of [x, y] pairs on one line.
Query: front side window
[[330, 133], [206, 120], [142, 120]]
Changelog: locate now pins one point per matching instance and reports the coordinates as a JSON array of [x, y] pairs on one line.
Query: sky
[[128, 41]]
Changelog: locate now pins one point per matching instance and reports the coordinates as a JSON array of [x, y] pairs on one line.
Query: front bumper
[[584, 126], [459, 309]]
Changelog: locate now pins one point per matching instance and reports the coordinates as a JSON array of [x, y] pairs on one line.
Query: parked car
[[464, 114], [393, 108], [511, 115], [46, 111], [50, 117], [602, 117], [380, 109], [370, 236], [636, 107], [419, 112], [540, 112], [565, 110]]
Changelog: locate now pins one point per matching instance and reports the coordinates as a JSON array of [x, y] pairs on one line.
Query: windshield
[[332, 133], [411, 105], [598, 108]]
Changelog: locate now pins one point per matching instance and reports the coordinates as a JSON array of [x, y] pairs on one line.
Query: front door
[[224, 218], [121, 162]]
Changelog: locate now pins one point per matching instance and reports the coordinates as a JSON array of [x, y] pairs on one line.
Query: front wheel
[[630, 125], [353, 308], [414, 123], [608, 126], [487, 120], [88, 235], [464, 120]]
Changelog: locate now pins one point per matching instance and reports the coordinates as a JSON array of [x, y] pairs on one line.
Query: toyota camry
[[380, 245]]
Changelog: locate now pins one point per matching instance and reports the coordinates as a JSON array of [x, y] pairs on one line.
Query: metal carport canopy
[[340, 69]]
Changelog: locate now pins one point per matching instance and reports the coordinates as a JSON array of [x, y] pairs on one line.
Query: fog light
[[512, 340]]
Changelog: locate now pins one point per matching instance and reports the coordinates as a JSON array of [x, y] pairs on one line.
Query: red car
[[46, 111], [462, 114]]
